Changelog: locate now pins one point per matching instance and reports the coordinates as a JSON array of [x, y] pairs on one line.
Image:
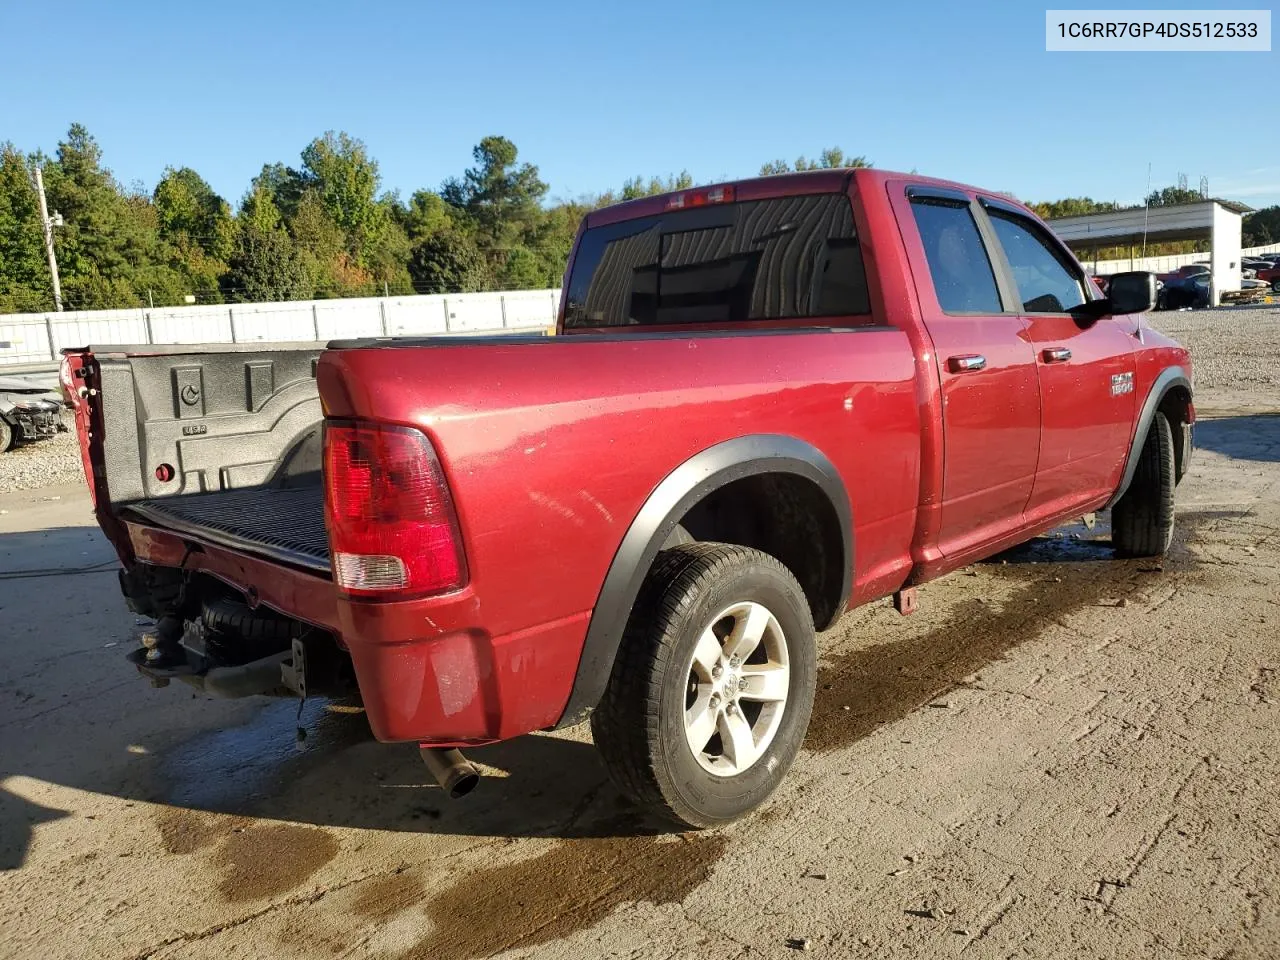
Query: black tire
[[639, 725], [232, 618], [1142, 520], [8, 436]]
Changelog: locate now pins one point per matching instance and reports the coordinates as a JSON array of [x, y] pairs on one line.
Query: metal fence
[[39, 337]]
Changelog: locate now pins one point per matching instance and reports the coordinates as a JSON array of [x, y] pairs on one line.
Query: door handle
[[1057, 355], [966, 362]]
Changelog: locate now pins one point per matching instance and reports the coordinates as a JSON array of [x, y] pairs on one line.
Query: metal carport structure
[[1218, 221]]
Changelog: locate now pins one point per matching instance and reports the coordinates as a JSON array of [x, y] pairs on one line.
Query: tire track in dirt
[[570, 887], [862, 690]]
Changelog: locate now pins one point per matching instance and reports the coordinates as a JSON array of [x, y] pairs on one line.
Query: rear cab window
[[775, 259], [963, 278]]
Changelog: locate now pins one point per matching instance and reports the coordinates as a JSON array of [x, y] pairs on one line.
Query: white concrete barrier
[[27, 338]]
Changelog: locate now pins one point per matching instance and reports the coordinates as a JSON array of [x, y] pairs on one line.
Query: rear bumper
[[466, 686], [427, 672]]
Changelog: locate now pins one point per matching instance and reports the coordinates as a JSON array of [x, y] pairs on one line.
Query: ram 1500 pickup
[[765, 402]]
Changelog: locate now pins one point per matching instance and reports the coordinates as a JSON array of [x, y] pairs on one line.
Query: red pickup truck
[[766, 402]]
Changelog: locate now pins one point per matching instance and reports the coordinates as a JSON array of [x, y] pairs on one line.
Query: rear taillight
[[393, 532]]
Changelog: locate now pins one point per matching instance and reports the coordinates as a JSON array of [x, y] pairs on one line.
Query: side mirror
[[1133, 292]]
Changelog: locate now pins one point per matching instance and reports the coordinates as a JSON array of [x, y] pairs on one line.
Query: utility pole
[[46, 226]]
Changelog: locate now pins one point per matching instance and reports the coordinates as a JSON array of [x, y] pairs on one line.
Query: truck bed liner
[[285, 524]]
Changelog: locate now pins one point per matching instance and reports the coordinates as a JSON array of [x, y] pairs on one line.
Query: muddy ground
[[1060, 755]]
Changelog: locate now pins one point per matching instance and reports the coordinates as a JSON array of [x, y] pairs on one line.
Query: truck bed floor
[[286, 524]]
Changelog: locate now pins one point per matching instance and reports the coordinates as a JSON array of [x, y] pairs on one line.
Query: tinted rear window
[[958, 262], [787, 258]]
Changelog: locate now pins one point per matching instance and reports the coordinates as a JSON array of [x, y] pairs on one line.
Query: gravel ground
[[47, 463], [1234, 349]]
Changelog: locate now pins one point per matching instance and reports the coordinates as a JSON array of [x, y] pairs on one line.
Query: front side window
[[786, 258], [1045, 283], [962, 276]]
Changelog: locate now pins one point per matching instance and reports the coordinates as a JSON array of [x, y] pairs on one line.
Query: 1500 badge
[[1121, 383]]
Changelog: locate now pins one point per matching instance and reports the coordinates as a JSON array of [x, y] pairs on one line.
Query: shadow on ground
[[1247, 437], [101, 729]]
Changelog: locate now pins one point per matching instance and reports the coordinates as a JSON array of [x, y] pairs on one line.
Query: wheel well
[[1176, 407], [788, 517]]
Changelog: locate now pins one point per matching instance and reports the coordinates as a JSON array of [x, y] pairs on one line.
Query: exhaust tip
[[462, 784], [454, 772]]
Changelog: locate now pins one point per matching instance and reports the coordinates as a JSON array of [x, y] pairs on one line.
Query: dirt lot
[[1060, 755]]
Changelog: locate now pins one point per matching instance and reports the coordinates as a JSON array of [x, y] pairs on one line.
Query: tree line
[[324, 228]]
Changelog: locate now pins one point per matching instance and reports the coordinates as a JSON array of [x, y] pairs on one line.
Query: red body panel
[[549, 471], [551, 449]]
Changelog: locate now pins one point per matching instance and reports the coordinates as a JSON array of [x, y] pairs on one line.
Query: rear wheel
[[713, 685], [1142, 520]]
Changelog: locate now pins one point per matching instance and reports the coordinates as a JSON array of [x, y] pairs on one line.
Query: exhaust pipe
[[454, 772]]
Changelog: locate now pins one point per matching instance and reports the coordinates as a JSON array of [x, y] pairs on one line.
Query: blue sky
[[596, 92]]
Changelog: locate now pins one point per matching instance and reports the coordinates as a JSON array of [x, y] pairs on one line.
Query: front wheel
[[1142, 520], [7, 435], [713, 685]]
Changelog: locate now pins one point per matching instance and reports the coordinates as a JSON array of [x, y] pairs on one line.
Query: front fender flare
[[686, 485], [1169, 379]]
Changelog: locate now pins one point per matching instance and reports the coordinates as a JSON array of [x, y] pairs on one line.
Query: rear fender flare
[[1169, 379], [666, 505]]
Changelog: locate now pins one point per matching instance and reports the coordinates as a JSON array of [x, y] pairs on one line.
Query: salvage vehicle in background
[[1271, 276], [1181, 292], [28, 412], [767, 402]]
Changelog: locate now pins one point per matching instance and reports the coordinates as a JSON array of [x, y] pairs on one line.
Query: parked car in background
[[1186, 270], [1185, 291], [1270, 275], [768, 402], [28, 412]]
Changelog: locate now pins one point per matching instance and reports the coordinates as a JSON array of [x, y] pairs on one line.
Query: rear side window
[[1046, 284], [962, 276], [787, 258]]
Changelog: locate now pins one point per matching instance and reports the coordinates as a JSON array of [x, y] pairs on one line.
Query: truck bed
[[285, 524]]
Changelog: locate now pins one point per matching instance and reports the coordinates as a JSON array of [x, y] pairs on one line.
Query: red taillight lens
[[700, 198], [393, 532]]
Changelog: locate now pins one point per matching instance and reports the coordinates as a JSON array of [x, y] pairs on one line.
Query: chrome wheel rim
[[736, 692]]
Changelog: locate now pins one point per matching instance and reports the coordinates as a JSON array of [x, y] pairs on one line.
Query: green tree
[[637, 187], [1071, 207], [110, 235], [259, 208], [502, 198], [24, 277], [284, 185], [832, 158], [338, 168], [425, 214], [267, 266], [1170, 196], [448, 261], [1262, 227], [187, 208]]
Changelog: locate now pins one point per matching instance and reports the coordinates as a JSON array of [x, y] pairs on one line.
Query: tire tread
[[1142, 521], [630, 749]]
